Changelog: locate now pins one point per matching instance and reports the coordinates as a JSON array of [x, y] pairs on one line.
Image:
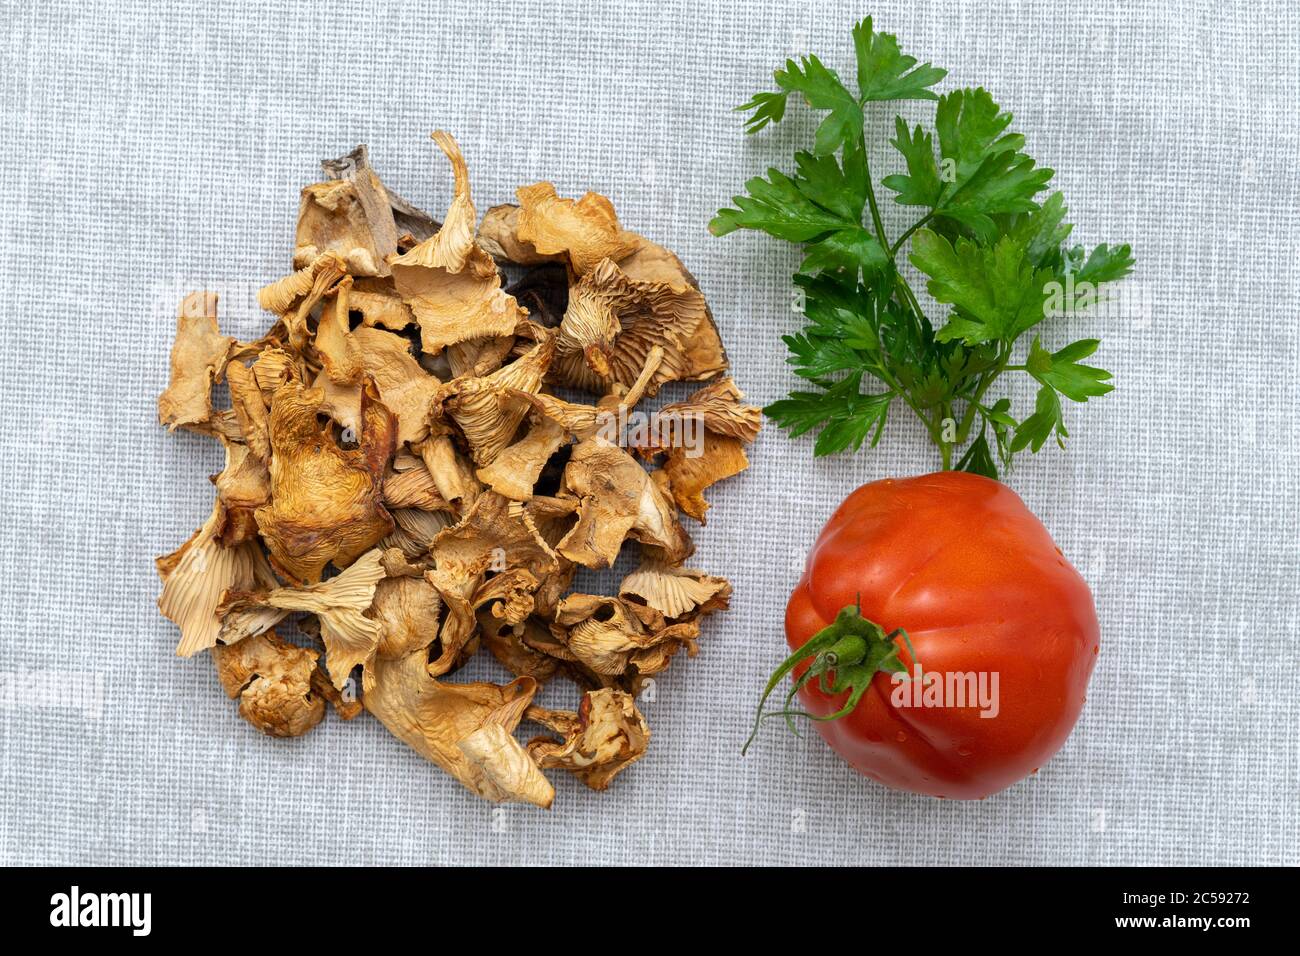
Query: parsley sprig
[[990, 250]]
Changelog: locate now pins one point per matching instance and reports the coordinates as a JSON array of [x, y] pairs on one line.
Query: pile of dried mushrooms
[[404, 424]]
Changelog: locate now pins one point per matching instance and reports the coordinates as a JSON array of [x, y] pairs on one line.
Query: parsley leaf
[[885, 72], [1034, 431], [1041, 231], [996, 292], [848, 416], [980, 171], [978, 459], [766, 108], [922, 185], [1104, 263], [1004, 183], [989, 249], [841, 189], [779, 207], [822, 90], [1063, 372], [851, 249], [972, 130]]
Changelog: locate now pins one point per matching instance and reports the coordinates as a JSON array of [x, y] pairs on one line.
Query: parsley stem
[[973, 404], [933, 428], [904, 291], [909, 298], [893, 251], [871, 199]]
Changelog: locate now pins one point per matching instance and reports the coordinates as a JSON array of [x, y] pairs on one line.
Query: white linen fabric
[[154, 148]]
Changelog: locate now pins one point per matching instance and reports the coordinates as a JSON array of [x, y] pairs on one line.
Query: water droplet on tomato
[[901, 737], [963, 751]]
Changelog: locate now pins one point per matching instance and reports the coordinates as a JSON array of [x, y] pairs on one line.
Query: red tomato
[[973, 577]]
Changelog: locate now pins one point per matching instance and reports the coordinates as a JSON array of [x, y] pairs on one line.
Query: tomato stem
[[845, 656]]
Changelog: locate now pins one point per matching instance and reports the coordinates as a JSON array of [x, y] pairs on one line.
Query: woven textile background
[[155, 148]]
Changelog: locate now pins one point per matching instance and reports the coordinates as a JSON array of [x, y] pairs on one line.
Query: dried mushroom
[[618, 500], [583, 231], [404, 388], [636, 293], [272, 680], [605, 736], [436, 719], [449, 281], [715, 426], [341, 605], [403, 486], [243, 486], [487, 409], [197, 574], [198, 359], [515, 471], [325, 502], [406, 608], [611, 324], [674, 591], [606, 636]]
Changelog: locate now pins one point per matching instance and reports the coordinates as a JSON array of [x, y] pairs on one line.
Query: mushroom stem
[[634, 394]]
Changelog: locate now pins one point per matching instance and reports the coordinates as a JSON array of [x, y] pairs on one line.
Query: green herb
[[990, 249]]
